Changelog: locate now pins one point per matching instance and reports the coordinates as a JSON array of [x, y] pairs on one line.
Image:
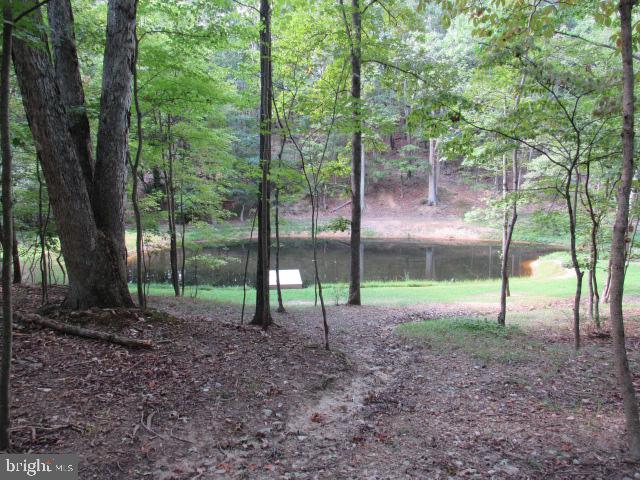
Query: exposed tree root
[[82, 332]]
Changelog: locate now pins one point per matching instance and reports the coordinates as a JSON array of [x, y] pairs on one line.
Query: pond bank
[[548, 284]]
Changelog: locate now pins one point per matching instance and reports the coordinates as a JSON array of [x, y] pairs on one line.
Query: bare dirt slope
[[220, 400], [394, 212]]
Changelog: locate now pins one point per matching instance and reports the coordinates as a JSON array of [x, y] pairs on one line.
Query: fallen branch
[[82, 332], [147, 426], [340, 206]]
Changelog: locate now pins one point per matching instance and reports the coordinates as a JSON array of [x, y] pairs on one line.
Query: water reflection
[[380, 260]]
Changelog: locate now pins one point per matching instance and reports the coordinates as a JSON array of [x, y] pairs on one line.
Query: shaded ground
[[219, 400]]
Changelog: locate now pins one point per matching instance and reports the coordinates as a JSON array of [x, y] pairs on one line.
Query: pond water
[[381, 260]]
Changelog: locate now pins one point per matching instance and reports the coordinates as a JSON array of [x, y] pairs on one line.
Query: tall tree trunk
[[42, 235], [433, 172], [142, 298], [356, 160], [171, 217], [571, 201], [623, 372], [511, 216], [363, 177], [15, 254], [607, 284], [505, 230], [594, 294], [262, 315], [246, 268], [183, 228], [7, 238], [91, 232], [112, 149], [17, 270], [281, 308]]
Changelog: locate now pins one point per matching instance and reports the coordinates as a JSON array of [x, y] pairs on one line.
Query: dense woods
[[132, 130]]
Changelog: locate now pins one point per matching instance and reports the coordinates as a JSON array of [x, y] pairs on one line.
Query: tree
[[354, 32], [7, 233], [135, 166], [87, 197], [620, 228], [262, 314], [434, 171], [510, 216]]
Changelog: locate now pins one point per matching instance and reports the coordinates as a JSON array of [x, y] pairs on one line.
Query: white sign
[[288, 279]]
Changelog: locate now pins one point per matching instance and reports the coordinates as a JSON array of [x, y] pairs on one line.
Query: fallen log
[[82, 332], [340, 206]]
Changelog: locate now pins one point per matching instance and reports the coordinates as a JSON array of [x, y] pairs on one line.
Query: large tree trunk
[[7, 237], [91, 232], [112, 149], [356, 160], [67, 74], [623, 372], [262, 315]]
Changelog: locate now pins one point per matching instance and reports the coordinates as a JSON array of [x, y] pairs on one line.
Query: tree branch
[[591, 42], [395, 67], [32, 9]]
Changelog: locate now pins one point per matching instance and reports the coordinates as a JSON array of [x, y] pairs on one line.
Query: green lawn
[[482, 339], [549, 282]]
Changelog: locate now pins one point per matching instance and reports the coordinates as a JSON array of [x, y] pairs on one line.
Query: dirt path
[[412, 412], [405, 410], [220, 400]]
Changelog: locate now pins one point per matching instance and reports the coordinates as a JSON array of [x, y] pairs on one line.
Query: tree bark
[[356, 160], [607, 285], [112, 149], [7, 237], [262, 315], [92, 239], [505, 230], [17, 270], [510, 223], [67, 74], [171, 212], [281, 308], [142, 298], [623, 372], [42, 232], [433, 172], [594, 294], [572, 210]]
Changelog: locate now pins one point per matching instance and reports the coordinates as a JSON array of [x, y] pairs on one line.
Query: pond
[[382, 260]]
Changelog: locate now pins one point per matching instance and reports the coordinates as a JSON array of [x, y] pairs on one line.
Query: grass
[[549, 282], [483, 340]]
